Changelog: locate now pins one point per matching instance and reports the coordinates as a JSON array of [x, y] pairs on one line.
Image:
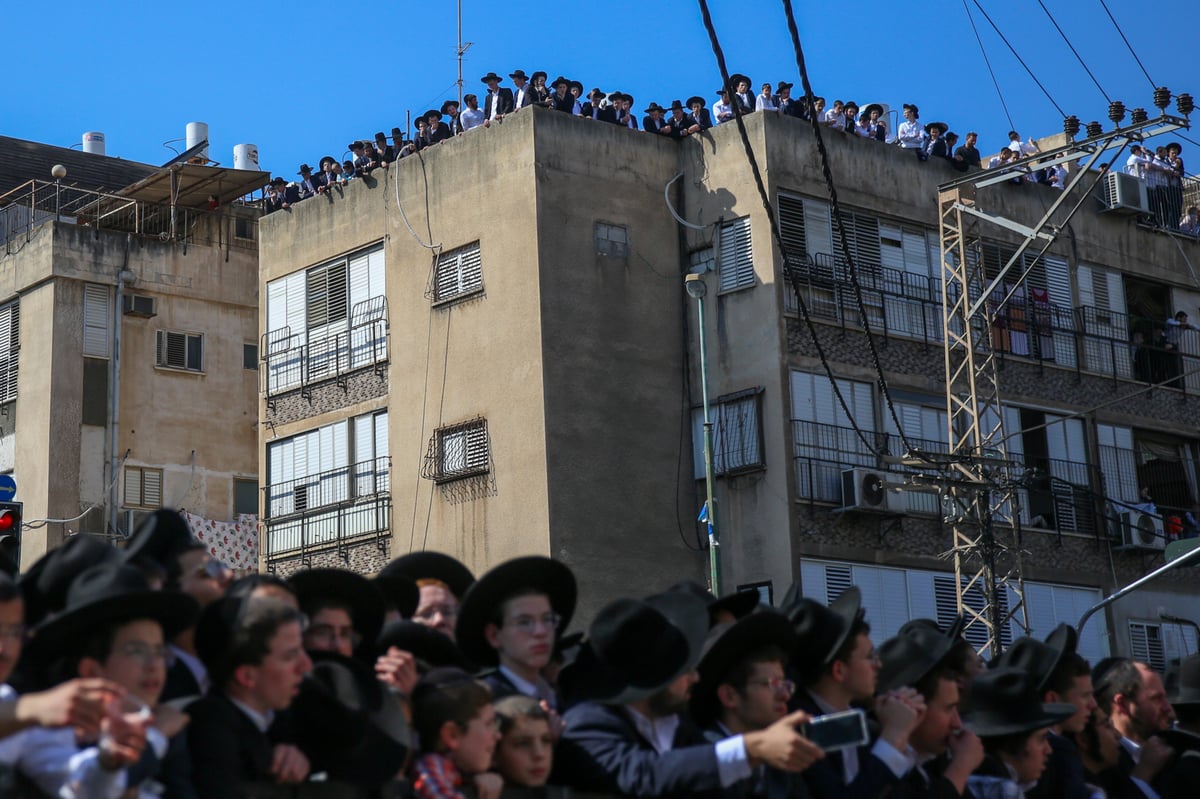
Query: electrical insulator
[[1094, 129], [1184, 103], [1071, 126], [1116, 111], [1138, 116], [1162, 97]]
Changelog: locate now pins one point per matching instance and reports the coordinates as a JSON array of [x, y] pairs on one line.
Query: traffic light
[[10, 518]]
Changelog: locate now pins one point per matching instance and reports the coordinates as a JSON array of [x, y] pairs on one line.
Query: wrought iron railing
[[295, 361], [31, 204]]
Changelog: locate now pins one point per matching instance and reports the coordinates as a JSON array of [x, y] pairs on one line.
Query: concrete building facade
[[511, 366]]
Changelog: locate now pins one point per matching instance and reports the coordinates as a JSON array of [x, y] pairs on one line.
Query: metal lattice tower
[[980, 486]]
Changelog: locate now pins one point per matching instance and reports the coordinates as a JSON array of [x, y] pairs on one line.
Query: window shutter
[[96, 318], [10, 350], [735, 264], [791, 227], [152, 488], [837, 579], [457, 273], [818, 231], [327, 300], [891, 247], [812, 579], [1146, 644], [916, 252], [360, 279], [133, 486], [276, 304]]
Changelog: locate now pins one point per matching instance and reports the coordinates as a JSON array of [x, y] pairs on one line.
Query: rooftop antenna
[[463, 47]]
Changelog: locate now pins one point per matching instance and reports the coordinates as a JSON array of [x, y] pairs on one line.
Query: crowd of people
[[149, 671], [1163, 171]]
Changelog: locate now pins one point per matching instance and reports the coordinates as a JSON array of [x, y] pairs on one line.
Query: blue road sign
[[8, 487]]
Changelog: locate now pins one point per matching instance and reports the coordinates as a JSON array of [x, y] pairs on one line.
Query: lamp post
[[696, 288], [58, 172]]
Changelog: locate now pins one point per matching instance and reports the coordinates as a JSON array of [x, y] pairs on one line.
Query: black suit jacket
[[826, 779], [928, 782], [503, 101], [650, 125], [703, 119], [767, 783], [601, 752], [1063, 777], [180, 681], [228, 752]]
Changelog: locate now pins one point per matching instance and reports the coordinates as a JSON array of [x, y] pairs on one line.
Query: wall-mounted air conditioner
[[1125, 194], [1142, 531], [865, 489]]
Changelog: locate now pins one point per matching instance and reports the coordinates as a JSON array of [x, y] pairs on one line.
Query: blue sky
[[301, 79]]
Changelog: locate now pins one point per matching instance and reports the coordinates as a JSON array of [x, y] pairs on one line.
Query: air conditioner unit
[[1126, 194], [865, 489], [1142, 531], [138, 305]]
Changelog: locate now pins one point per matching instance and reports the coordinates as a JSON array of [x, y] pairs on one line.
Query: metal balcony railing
[[31, 204], [294, 361]]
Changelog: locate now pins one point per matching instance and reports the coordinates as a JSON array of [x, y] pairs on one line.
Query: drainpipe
[[114, 389]]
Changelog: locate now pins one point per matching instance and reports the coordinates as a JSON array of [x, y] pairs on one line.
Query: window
[[10, 350], [250, 356], [825, 443], [611, 240], [457, 273], [737, 434], [95, 320], [245, 496], [458, 451], [179, 350], [244, 227], [1146, 644], [735, 264], [326, 294], [143, 487]]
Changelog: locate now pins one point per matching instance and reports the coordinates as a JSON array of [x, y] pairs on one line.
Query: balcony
[[297, 361], [330, 511]]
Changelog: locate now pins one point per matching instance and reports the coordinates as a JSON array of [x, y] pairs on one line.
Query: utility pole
[[981, 487], [461, 50]]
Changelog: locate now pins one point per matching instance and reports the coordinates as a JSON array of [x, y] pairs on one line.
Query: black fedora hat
[[596, 92], [354, 145], [695, 98], [941, 127], [492, 76], [737, 78], [873, 107], [430, 565], [575, 85], [739, 604], [953, 632], [326, 159], [722, 92], [1186, 688], [305, 169], [519, 73], [1005, 701], [489, 592], [911, 655], [537, 74], [44, 587], [163, 536], [110, 593], [653, 107], [434, 113], [354, 727], [346, 587], [560, 80], [677, 105], [446, 106], [822, 630], [400, 592], [431, 648], [726, 644], [637, 647], [783, 84], [1037, 659]]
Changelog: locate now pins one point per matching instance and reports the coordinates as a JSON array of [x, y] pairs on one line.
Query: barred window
[[458, 451], [457, 273], [737, 434], [143, 487], [180, 350]]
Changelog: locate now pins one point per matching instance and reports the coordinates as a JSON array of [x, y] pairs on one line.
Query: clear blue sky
[[301, 79]]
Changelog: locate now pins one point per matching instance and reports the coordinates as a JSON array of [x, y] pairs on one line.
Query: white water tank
[[245, 156], [93, 142], [197, 132]]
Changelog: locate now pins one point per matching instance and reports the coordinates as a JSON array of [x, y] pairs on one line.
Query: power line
[[1054, 22], [836, 212], [1127, 44], [982, 49], [1020, 60], [774, 223]]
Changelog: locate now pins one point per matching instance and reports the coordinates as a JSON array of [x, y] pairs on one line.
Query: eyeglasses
[[427, 613], [327, 634], [530, 624], [147, 654], [777, 685]]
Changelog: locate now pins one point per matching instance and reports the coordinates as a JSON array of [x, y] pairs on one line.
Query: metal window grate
[[458, 451], [457, 274]]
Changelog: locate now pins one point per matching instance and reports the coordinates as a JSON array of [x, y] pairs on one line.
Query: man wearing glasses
[[510, 619]]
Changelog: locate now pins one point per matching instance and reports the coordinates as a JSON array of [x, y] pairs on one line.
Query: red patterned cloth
[[233, 543]]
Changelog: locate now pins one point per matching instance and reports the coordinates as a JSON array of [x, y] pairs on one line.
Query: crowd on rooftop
[[151, 672]]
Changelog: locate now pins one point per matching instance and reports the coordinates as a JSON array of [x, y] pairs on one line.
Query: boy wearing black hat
[[510, 618], [839, 668], [633, 737], [441, 582], [254, 650]]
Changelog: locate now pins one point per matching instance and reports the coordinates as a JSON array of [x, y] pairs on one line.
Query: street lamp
[[58, 172], [696, 289]]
